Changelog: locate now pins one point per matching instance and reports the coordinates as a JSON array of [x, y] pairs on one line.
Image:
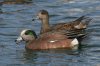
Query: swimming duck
[[49, 40], [80, 23]]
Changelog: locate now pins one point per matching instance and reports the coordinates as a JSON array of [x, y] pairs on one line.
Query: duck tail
[[86, 20], [82, 22], [80, 19], [83, 19]]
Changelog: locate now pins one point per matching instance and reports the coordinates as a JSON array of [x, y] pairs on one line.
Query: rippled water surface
[[16, 17]]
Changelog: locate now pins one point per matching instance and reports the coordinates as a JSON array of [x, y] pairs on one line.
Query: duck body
[[79, 24], [50, 40]]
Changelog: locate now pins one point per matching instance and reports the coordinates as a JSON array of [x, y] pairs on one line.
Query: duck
[[49, 40], [80, 23]]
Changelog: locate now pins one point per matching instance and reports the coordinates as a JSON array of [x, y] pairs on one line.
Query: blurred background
[[16, 15]]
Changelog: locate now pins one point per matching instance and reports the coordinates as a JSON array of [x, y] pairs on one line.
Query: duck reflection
[[48, 56]]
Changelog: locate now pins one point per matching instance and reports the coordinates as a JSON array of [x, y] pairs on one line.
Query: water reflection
[[56, 57], [47, 56]]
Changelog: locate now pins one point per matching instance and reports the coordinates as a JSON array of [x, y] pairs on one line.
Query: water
[[17, 17]]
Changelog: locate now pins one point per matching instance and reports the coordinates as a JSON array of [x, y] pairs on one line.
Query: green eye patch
[[30, 32]]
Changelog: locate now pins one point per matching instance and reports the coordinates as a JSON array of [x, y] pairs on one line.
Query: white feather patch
[[74, 44], [52, 41]]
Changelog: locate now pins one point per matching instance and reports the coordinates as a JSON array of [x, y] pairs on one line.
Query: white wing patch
[[52, 41]]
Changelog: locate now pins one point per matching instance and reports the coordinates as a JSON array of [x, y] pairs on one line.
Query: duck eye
[[26, 33], [42, 12]]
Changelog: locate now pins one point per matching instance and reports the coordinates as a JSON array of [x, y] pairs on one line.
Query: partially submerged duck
[[79, 24], [49, 40]]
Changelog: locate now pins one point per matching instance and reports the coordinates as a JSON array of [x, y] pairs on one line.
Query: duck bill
[[37, 18], [18, 40]]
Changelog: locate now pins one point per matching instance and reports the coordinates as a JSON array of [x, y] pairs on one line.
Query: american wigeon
[[49, 40], [80, 23]]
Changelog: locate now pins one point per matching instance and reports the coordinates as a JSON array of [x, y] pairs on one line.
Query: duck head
[[42, 15], [26, 35]]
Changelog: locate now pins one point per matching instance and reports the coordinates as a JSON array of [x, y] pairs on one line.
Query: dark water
[[19, 16]]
